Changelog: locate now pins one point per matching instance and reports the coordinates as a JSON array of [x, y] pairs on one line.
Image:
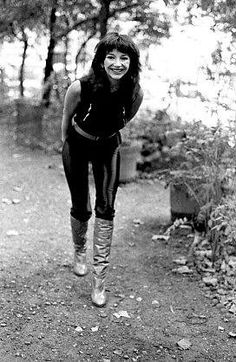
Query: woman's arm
[[134, 107], [72, 98]]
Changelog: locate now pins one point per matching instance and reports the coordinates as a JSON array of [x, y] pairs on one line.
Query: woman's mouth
[[117, 71]]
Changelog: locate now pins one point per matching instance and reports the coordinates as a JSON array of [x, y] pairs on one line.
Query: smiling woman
[[116, 65], [96, 108]]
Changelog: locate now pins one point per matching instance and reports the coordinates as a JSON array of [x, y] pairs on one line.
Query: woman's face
[[116, 64]]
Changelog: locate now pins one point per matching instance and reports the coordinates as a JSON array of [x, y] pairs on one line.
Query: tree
[[94, 17], [16, 19]]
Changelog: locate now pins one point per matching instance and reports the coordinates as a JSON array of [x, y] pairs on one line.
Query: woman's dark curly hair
[[124, 44]]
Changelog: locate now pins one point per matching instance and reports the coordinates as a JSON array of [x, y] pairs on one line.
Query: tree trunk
[[83, 45], [104, 16], [22, 67], [49, 61]]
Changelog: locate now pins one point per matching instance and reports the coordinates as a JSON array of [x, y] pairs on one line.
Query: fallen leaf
[[79, 329], [160, 237], [6, 201], [118, 352], [182, 270], [16, 201], [232, 262], [139, 299], [210, 281], [95, 329], [233, 309], [12, 233], [182, 260], [121, 313], [184, 343], [17, 188]]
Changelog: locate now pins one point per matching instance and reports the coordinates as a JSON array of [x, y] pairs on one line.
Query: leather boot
[[79, 230], [103, 230]]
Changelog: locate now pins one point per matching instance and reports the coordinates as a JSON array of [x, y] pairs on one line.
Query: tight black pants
[[104, 156]]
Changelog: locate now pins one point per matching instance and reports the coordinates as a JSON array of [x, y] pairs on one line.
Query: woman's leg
[[106, 174], [106, 169], [75, 162], [76, 171]]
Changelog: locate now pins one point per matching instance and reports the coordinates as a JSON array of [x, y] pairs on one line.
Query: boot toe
[[80, 270], [99, 300]]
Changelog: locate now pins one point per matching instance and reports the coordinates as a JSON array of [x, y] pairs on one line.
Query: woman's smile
[[116, 64]]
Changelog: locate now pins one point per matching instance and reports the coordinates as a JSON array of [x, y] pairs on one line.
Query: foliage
[[206, 156], [17, 15], [222, 228]]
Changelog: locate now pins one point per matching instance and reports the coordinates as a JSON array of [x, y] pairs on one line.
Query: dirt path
[[46, 313]]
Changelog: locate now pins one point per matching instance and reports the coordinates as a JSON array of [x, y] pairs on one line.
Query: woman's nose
[[118, 62]]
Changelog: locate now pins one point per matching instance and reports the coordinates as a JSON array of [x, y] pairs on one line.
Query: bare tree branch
[[94, 18]]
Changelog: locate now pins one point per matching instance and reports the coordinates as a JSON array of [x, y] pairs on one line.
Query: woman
[[96, 107]]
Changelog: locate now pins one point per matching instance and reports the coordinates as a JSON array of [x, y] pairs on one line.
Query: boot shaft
[[103, 230], [79, 233]]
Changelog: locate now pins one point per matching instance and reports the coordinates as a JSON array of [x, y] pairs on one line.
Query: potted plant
[[198, 179]]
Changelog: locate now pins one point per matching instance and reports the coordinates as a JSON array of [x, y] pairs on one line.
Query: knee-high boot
[[103, 230], [79, 231]]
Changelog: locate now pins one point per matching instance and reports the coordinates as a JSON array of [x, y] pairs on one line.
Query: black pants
[[104, 155]]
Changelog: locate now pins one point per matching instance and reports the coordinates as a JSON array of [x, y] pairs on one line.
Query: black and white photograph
[[118, 180]]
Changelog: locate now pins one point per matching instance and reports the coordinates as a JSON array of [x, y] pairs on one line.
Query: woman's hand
[[63, 136]]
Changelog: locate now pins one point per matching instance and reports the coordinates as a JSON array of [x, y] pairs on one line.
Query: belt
[[87, 135]]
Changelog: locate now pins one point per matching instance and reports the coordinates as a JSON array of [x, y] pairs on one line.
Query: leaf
[[6, 201], [12, 233], [210, 281], [184, 343], [121, 313], [233, 309], [118, 352], [182, 270], [16, 201], [79, 329], [232, 334], [160, 237], [182, 260], [95, 329]]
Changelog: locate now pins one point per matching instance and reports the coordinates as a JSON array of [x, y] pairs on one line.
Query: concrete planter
[[129, 156], [181, 203]]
